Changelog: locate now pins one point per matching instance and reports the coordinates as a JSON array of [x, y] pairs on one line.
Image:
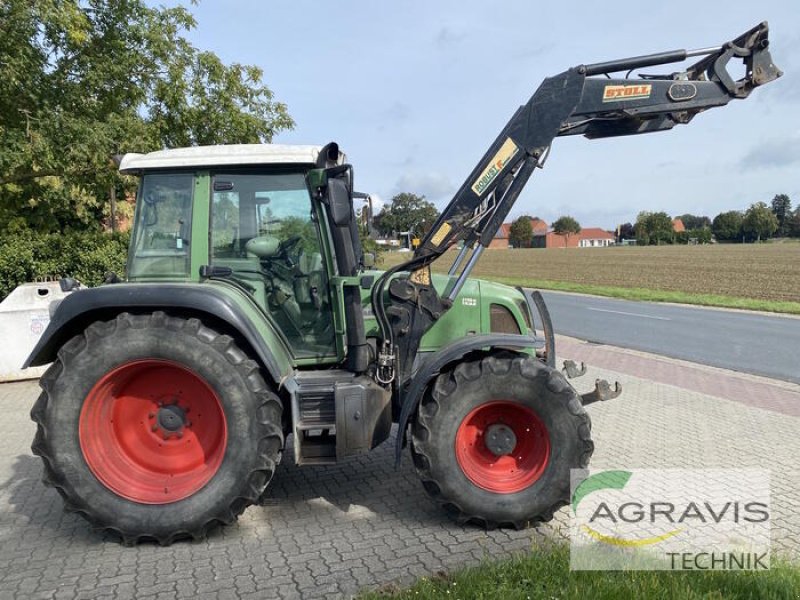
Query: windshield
[[247, 207]]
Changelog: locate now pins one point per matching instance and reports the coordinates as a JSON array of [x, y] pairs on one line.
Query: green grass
[[646, 295], [545, 574]]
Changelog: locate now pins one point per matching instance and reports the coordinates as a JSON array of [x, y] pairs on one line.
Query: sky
[[414, 92]]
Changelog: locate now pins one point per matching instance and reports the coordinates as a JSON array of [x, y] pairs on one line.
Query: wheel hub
[[171, 418], [502, 446], [500, 439]]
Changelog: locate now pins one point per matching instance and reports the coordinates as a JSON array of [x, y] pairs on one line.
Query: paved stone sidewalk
[[329, 532]]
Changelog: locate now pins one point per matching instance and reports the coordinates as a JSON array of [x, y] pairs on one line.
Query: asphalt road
[[742, 341]]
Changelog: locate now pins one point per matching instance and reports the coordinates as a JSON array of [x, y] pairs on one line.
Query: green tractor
[[250, 314]]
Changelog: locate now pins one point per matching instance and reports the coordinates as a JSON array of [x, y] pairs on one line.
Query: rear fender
[[439, 361], [218, 308]]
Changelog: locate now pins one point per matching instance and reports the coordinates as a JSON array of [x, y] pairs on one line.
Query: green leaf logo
[[599, 481], [616, 480]]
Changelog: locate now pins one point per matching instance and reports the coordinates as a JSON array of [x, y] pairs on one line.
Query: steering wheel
[[285, 246], [288, 244]]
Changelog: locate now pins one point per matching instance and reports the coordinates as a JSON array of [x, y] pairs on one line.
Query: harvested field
[[769, 272]]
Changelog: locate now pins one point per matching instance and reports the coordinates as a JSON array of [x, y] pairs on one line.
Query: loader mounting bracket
[[602, 392]]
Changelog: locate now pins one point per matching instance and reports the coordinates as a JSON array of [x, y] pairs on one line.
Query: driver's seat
[[311, 275]]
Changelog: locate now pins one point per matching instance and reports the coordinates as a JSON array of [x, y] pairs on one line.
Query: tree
[[793, 223], [691, 221], [727, 226], [654, 228], [303, 228], [566, 226], [759, 221], [782, 209], [520, 234], [407, 212], [81, 81], [368, 243], [626, 231]]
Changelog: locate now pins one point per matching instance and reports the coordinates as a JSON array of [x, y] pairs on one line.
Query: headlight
[[502, 320]]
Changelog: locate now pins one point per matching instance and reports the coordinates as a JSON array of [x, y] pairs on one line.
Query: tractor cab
[[253, 223]]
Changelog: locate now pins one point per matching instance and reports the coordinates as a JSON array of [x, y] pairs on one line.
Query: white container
[[24, 315]]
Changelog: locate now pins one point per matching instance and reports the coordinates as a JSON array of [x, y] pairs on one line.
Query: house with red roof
[[501, 238], [589, 237], [594, 237]]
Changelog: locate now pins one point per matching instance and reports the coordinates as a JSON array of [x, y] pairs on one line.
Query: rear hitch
[[572, 370], [602, 392]]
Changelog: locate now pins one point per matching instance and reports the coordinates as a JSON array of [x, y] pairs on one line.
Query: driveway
[[330, 532]]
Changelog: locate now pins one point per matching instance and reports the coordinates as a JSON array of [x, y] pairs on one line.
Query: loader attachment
[[602, 391], [588, 100], [572, 370]]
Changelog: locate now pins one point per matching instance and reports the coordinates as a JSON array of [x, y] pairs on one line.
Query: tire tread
[[447, 384]]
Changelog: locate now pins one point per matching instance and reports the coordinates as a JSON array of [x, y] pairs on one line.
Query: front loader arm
[[612, 107], [586, 100]]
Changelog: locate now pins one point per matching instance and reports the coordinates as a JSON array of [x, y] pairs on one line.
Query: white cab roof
[[217, 156]]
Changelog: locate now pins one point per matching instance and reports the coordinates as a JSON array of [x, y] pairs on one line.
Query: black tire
[[477, 383], [252, 414]]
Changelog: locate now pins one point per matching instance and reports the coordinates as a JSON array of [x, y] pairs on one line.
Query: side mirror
[[368, 260], [339, 202]]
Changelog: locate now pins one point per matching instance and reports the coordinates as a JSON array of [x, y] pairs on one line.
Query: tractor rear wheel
[[156, 427], [495, 439]]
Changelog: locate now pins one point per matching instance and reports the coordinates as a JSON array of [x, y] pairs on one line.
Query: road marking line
[[630, 314]]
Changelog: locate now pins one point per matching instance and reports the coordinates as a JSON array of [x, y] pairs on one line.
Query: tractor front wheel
[[495, 439], [156, 427]]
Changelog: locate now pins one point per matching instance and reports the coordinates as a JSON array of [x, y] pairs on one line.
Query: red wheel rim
[[509, 472], [153, 431]]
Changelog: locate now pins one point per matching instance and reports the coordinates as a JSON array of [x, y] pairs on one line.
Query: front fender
[[433, 365], [222, 306]]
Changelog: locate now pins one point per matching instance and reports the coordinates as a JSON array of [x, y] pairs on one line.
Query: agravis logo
[[611, 480], [673, 517]]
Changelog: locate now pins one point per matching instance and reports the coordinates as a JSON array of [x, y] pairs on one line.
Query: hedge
[[28, 256]]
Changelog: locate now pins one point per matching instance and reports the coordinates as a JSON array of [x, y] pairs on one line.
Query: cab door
[[265, 228]]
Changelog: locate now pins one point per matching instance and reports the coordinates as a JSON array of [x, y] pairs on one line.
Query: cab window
[[162, 232]]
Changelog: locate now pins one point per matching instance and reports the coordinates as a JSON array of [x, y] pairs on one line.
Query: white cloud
[[397, 112], [377, 203], [776, 152], [436, 187], [447, 36]]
